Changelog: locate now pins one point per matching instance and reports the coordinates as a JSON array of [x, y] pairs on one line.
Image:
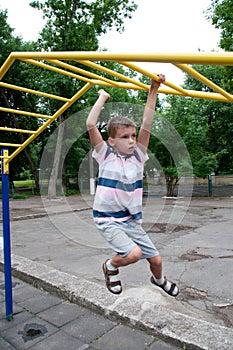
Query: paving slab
[[68, 325]]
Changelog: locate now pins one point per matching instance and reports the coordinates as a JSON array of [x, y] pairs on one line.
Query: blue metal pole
[[6, 237]]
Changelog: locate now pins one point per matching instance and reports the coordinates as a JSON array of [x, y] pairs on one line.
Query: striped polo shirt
[[119, 190]]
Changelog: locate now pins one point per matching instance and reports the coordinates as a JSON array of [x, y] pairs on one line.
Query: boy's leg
[[157, 278], [110, 268], [128, 253], [156, 266], [133, 256]]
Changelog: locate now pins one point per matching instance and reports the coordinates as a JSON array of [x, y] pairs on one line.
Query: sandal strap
[[173, 286], [111, 272], [164, 283], [111, 284], [114, 284], [162, 286]]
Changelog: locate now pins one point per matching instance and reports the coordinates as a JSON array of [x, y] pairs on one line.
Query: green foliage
[[8, 42], [220, 13], [171, 172], [76, 25], [20, 196], [70, 192], [70, 25], [205, 165], [204, 125], [171, 157], [10, 98], [108, 14]]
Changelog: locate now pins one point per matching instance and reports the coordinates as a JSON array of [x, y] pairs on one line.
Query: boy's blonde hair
[[118, 122]]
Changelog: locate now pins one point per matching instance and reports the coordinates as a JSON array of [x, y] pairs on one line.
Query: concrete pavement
[[56, 247]]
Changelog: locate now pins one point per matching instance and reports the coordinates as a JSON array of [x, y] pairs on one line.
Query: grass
[[22, 189]]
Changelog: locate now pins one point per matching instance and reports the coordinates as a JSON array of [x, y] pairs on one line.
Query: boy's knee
[[135, 255], [156, 261]]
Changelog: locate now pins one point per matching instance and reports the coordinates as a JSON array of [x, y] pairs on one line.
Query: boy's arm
[[92, 119], [148, 115]]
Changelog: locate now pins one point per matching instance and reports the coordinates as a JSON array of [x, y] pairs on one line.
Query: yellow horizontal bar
[[55, 116], [82, 71], [91, 64], [17, 130], [214, 58], [86, 58], [111, 72], [152, 76], [188, 93], [205, 81], [207, 95], [197, 94], [16, 111], [163, 90], [111, 83], [40, 93], [57, 70], [10, 145]]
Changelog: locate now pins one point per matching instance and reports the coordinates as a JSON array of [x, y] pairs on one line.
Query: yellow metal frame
[[56, 62]]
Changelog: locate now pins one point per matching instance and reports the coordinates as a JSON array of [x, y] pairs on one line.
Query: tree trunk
[[52, 188], [22, 139], [171, 183]]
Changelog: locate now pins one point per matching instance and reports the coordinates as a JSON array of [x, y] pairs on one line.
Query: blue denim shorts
[[123, 237]]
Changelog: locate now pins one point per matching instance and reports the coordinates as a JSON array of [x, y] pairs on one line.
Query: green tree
[[220, 14], [215, 121], [205, 126], [13, 99], [191, 122], [202, 127], [73, 25], [170, 150], [165, 145]]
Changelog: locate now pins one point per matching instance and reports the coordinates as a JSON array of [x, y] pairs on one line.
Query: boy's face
[[124, 141]]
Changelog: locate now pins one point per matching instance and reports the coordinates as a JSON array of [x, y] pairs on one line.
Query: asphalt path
[[193, 235]]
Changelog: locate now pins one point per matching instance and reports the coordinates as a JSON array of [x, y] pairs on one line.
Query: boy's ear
[[110, 141]]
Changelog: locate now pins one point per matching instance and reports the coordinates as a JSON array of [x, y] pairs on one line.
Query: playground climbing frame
[[73, 65]]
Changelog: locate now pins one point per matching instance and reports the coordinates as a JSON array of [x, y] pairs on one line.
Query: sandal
[[170, 291], [110, 284]]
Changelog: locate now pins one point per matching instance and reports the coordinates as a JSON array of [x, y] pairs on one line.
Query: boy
[[117, 208]]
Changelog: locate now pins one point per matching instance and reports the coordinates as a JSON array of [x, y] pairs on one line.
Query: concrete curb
[[44, 214], [167, 324]]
